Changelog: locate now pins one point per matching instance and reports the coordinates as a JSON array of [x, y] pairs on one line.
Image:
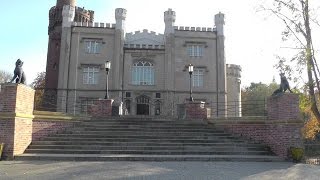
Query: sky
[[253, 39]]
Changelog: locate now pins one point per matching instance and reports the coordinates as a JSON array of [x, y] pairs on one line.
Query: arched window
[[143, 73]]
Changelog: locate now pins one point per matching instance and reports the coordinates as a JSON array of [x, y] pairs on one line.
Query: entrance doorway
[[143, 105]]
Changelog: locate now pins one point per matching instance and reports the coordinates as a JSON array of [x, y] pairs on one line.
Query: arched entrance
[[143, 107]]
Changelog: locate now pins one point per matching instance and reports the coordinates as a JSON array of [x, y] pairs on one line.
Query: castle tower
[[221, 62], [120, 15], [234, 90], [169, 19], [54, 44], [117, 61]]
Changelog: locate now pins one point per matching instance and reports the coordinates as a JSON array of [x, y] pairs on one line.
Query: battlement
[[67, 9], [202, 29], [94, 25], [144, 46], [169, 12], [234, 70], [120, 13], [144, 37], [82, 10]]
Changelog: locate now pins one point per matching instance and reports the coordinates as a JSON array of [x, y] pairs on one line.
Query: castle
[[149, 71]]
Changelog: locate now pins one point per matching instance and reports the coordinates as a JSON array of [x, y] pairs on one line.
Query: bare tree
[[296, 16], [5, 76]]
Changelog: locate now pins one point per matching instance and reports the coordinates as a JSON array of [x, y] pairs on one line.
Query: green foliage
[[253, 98], [39, 85], [297, 154]]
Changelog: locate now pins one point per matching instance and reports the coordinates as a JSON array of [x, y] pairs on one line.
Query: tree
[[296, 16], [5, 76], [39, 84], [253, 98]]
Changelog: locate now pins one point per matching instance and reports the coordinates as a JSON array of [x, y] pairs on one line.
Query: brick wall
[[278, 135], [101, 108], [283, 107], [196, 110], [43, 128], [16, 113]]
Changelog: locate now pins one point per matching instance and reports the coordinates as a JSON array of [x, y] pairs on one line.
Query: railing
[[46, 100]]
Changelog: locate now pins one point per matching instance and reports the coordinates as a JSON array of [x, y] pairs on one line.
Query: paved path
[[156, 170]]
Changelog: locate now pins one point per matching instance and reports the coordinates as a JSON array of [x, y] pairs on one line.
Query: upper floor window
[[90, 75], [93, 46], [197, 77], [195, 50], [143, 73]]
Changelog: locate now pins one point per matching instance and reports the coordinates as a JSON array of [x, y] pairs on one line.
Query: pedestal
[[196, 110], [283, 107], [16, 115], [101, 108]]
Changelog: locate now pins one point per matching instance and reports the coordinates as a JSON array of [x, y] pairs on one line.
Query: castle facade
[[149, 70]]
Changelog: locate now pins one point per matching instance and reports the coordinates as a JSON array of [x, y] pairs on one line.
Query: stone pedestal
[[283, 107], [101, 108], [16, 115], [196, 110]]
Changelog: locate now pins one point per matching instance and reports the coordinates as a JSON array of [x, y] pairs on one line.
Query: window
[[197, 77], [128, 94], [93, 46], [143, 73], [158, 95], [195, 50], [90, 75]]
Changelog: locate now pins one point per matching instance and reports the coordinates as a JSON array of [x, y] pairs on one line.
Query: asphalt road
[[156, 170]]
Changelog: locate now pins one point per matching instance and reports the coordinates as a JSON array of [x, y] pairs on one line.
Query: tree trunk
[[309, 61]]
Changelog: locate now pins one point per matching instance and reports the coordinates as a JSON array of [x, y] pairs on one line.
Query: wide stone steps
[[154, 152], [145, 139], [177, 147]]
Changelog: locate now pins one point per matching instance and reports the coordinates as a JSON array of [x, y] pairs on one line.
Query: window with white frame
[[90, 75], [195, 50], [197, 77], [143, 73], [93, 46]]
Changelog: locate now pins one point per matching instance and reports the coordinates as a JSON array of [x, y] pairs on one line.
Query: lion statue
[[284, 85], [19, 75]]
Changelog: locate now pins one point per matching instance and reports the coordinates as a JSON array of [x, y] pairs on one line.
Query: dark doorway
[[143, 105]]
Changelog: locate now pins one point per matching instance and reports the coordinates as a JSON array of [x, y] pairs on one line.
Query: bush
[[296, 154]]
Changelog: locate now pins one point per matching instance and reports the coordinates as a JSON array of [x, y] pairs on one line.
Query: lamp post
[[190, 73], [107, 66]]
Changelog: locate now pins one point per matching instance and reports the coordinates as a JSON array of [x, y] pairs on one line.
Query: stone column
[[16, 115]]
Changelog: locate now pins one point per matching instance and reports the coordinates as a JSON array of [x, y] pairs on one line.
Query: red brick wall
[[279, 136], [101, 108], [283, 107], [43, 128], [196, 110], [16, 109]]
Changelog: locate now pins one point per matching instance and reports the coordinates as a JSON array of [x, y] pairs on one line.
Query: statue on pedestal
[[19, 75], [284, 85]]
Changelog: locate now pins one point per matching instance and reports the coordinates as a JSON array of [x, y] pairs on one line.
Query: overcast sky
[[252, 39]]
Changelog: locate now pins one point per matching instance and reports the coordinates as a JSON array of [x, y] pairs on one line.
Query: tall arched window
[[143, 73]]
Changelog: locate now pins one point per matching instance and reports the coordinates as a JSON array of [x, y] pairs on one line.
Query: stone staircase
[[145, 139]]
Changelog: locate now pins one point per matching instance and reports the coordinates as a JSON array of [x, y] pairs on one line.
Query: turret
[[120, 15], [68, 14], [219, 22], [169, 19], [61, 3]]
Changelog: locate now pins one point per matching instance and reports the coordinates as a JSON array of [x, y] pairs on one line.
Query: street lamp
[[107, 66], [190, 73]]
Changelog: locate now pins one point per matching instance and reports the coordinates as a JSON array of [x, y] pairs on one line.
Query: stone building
[[149, 71]]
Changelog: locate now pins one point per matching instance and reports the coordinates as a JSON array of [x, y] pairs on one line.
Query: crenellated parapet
[[234, 70], [144, 37], [94, 25], [187, 28], [144, 46], [83, 15]]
